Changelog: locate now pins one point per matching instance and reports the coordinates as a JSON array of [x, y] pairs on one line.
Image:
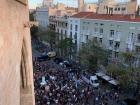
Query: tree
[[34, 30], [48, 36], [112, 70], [31, 16], [91, 54], [65, 45], [129, 58]]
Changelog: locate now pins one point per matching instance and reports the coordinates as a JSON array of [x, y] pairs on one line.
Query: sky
[[34, 3]]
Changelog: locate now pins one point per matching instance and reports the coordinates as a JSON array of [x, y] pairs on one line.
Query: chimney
[[132, 16]]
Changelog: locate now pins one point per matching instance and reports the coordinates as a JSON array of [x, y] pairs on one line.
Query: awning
[[107, 78], [93, 77], [100, 74], [114, 82]]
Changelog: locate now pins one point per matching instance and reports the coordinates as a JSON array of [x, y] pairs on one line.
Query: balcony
[[117, 39], [137, 43], [110, 47], [100, 35], [129, 41], [87, 32], [95, 34], [111, 38], [116, 49], [84, 32]]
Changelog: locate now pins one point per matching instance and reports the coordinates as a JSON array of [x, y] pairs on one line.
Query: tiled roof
[[117, 17]]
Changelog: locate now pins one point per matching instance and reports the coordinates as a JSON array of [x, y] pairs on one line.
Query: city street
[[60, 86]]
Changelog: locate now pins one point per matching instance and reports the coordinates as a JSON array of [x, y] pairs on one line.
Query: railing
[[100, 35], [111, 38], [137, 43], [110, 47], [117, 39], [116, 49]]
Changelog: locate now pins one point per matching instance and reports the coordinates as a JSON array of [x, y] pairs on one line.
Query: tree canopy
[[65, 45], [91, 54]]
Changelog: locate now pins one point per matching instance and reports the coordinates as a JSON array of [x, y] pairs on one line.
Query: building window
[[110, 53], [101, 30], [137, 49], [115, 9], [110, 43], [61, 31], [118, 34], [118, 26], [66, 24], [76, 27], [83, 27], [86, 37], [123, 9], [117, 45], [89, 7], [71, 35], [138, 38], [71, 26], [101, 24], [75, 42], [95, 29], [131, 36], [112, 25], [116, 54], [96, 23], [111, 33], [75, 36], [100, 40], [118, 9], [65, 32]]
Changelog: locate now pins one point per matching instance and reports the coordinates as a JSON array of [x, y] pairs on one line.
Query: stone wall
[[13, 16]]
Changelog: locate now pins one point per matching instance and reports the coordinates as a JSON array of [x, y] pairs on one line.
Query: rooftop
[[117, 17]]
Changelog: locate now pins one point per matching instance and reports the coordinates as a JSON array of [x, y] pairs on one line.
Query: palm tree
[[48, 36], [65, 46]]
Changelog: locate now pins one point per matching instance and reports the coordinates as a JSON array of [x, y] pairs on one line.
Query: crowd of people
[[62, 87], [57, 85]]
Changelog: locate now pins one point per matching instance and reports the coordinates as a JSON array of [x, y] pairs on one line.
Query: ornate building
[[16, 74], [113, 7], [80, 5], [47, 3]]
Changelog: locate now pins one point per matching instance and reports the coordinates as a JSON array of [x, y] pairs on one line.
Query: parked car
[[94, 81], [43, 58], [51, 54], [67, 64], [129, 101], [58, 60]]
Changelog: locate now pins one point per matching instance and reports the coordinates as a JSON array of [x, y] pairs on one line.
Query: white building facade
[[117, 33], [42, 17], [74, 31]]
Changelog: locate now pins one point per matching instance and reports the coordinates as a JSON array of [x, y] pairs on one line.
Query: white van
[[94, 81]]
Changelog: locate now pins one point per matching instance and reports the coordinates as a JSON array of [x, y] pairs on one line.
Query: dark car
[[43, 58], [129, 101], [67, 64], [58, 60]]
